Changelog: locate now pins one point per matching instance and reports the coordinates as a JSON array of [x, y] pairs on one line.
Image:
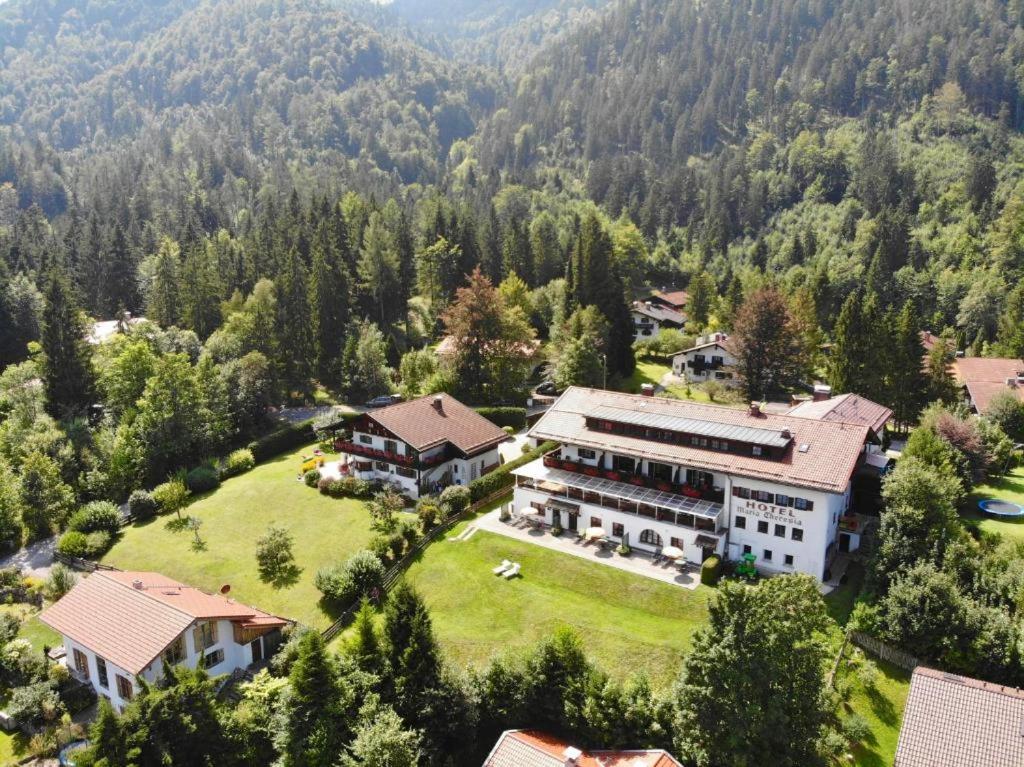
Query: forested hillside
[[232, 95]]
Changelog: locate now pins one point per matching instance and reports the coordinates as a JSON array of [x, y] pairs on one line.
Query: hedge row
[[505, 416], [502, 477], [278, 441]]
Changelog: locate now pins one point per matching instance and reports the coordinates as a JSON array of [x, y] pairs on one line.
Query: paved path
[[36, 559], [638, 563]]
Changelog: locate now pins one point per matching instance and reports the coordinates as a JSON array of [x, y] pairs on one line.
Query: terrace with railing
[[555, 461], [598, 488]]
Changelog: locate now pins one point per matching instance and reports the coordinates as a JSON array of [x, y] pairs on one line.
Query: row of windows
[[124, 685], [767, 555], [773, 499], [796, 533], [676, 438]]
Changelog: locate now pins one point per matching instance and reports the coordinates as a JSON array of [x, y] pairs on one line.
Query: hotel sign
[[770, 513]]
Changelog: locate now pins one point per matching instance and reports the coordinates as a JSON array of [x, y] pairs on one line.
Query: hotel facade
[[703, 478]]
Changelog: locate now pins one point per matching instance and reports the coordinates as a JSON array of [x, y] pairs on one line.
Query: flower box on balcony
[[590, 471], [690, 492], [614, 476], [664, 487], [570, 466], [638, 481]]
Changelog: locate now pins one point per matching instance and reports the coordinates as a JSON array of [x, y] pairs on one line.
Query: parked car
[[547, 388], [384, 400]]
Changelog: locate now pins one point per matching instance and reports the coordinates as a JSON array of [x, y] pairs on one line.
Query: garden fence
[[877, 647], [77, 563], [395, 571]]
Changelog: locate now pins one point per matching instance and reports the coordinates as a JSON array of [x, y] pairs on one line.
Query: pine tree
[[163, 305], [294, 334], [67, 370], [200, 291], [329, 306], [702, 294], [379, 273], [907, 385], [365, 646], [121, 291], [850, 351]]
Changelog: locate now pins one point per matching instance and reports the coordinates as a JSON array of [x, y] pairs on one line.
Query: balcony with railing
[[555, 461], [600, 489], [409, 461]]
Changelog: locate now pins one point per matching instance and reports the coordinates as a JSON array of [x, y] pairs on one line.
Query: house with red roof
[[703, 479], [531, 748], [650, 318], [982, 378], [417, 446], [120, 627]]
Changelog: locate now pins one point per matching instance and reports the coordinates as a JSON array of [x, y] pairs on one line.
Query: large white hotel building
[[704, 478]]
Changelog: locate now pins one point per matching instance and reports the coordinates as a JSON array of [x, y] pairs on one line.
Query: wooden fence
[[77, 563], [393, 573], [877, 647]]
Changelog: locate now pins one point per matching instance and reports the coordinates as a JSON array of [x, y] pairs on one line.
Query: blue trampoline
[[1000, 508]]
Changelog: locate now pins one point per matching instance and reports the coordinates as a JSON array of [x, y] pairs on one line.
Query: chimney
[[822, 392], [137, 584], [787, 434], [438, 403], [571, 756], [755, 409]]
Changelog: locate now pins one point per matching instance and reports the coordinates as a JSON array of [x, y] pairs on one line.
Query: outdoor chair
[[512, 572], [503, 567]]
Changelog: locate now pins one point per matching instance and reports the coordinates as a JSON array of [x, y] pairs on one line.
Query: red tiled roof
[[659, 313], [985, 377], [846, 408], [675, 298], [833, 448], [423, 426], [131, 626], [530, 748], [956, 721]]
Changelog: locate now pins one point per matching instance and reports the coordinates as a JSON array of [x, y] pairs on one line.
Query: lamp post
[[604, 370]]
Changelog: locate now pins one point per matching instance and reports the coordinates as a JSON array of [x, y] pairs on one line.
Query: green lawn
[[646, 372], [325, 531], [38, 635], [1009, 488], [13, 747], [882, 707], [628, 623]]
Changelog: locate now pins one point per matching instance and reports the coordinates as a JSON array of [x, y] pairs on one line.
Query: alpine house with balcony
[[703, 478], [424, 444]]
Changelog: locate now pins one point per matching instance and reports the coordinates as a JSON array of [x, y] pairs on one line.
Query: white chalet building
[[704, 478], [650, 318], [712, 358], [119, 627], [423, 444]]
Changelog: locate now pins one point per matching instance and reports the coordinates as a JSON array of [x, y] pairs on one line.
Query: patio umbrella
[[625, 540], [672, 552], [595, 532]]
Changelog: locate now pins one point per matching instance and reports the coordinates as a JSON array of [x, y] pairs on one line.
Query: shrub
[[202, 479], [96, 516], [501, 477], [10, 577], [454, 500], [361, 575], [505, 416], [428, 511], [170, 496], [409, 531], [35, 704], [711, 570], [346, 487], [274, 555], [97, 543], [380, 545], [280, 440], [142, 505], [856, 728], [311, 478], [73, 544], [508, 430], [60, 581], [624, 550], [238, 462], [77, 697], [396, 544]]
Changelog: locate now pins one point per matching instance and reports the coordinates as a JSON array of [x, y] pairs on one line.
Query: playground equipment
[[746, 568], [1000, 508]]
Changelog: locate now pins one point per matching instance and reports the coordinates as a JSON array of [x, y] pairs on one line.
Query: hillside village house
[[531, 748], [703, 478], [982, 378], [119, 627], [649, 319], [673, 299], [712, 358], [423, 444]]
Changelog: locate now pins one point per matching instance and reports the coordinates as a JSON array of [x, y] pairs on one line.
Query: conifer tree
[[67, 368], [163, 305], [850, 351], [294, 333], [329, 307], [906, 384], [379, 273]]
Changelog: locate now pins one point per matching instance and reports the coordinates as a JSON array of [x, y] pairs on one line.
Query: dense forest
[[305, 198]]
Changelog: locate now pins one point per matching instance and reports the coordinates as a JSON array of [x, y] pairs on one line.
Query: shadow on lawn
[[282, 577]]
